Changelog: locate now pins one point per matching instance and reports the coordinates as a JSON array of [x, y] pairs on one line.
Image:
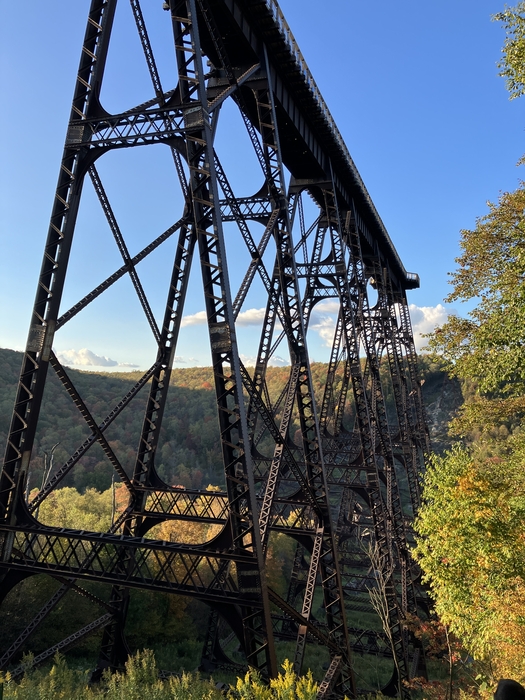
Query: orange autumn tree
[[471, 526], [471, 546], [471, 534]]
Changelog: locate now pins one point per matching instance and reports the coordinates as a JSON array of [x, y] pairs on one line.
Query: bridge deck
[[311, 138]]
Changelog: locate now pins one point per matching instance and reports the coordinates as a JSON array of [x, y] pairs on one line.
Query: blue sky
[[413, 88]]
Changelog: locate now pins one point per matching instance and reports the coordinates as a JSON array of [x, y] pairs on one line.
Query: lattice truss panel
[[328, 470]]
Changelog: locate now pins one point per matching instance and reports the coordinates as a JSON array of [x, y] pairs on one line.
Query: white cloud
[[424, 320], [275, 361], [328, 306], [87, 358], [197, 319], [251, 317], [322, 320], [325, 326]]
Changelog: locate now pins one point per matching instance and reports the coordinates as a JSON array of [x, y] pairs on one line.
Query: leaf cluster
[[471, 546], [287, 686], [512, 64], [470, 529], [141, 680], [488, 347]]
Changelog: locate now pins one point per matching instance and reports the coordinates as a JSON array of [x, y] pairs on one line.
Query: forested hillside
[[173, 626], [189, 449]]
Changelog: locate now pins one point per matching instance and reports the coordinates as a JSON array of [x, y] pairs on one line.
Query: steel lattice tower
[[332, 485]]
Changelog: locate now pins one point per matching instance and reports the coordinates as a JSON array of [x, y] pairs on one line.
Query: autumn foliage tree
[[472, 548], [512, 65], [488, 346], [471, 542]]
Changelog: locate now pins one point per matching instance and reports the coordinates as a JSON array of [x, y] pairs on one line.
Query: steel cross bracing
[[325, 467]]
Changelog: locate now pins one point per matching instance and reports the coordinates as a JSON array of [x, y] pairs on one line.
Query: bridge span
[[334, 467]]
